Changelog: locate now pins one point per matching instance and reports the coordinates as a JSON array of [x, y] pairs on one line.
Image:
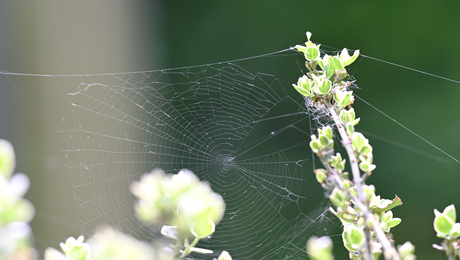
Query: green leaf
[[300, 48], [324, 87], [302, 91], [324, 140], [321, 175], [346, 59], [385, 205], [343, 98], [347, 184], [347, 218], [449, 211], [365, 149], [321, 64], [329, 71], [455, 231], [327, 131], [312, 53], [393, 222], [315, 145], [338, 198], [356, 236], [335, 63], [366, 166], [347, 115], [353, 238], [75, 249], [202, 228], [387, 216], [358, 141], [356, 121], [443, 224], [350, 128]]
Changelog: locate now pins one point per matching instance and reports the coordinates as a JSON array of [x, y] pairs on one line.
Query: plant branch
[[389, 250]]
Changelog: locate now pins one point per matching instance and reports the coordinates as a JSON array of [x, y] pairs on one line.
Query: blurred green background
[[63, 37]]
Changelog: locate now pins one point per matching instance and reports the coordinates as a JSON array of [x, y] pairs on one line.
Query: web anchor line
[[409, 130], [412, 69]]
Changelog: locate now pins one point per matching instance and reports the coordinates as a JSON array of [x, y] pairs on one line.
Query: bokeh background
[[80, 37]]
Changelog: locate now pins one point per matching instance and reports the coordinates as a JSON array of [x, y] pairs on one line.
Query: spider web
[[237, 125]]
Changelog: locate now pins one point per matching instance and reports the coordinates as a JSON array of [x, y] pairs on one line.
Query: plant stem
[[188, 249], [388, 249]]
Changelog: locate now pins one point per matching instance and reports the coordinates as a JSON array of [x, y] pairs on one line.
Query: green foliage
[[446, 228], [353, 238], [74, 249], [367, 219], [185, 207], [15, 211]]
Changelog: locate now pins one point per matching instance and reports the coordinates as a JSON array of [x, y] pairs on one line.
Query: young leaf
[[312, 53], [202, 228], [449, 211], [346, 59], [393, 222], [385, 205], [324, 87], [443, 224], [336, 63]]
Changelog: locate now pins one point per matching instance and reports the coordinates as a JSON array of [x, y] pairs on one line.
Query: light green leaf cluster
[[361, 211], [74, 249], [446, 227], [185, 206], [107, 244], [444, 223], [15, 211], [331, 81], [180, 200]]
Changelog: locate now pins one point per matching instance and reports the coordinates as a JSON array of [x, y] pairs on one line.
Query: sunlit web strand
[[8, 73], [412, 69], [409, 130]]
